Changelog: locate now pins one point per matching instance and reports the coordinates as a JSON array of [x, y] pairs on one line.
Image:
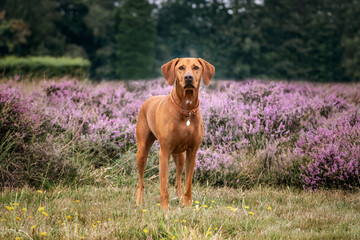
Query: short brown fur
[[160, 119]]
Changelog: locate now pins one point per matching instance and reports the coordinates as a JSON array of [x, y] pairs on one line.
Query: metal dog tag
[[188, 120]]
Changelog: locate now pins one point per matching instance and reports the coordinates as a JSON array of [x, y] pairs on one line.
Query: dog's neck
[[187, 99]]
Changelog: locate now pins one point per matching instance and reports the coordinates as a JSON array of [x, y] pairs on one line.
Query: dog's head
[[187, 72]]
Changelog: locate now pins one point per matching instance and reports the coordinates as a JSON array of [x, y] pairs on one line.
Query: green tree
[[13, 34], [45, 37], [101, 22], [135, 40], [194, 28], [350, 41], [79, 38], [245, 40], [89, 30]]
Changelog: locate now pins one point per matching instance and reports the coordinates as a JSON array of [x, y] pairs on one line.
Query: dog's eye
[[181, 68], [196, 68]]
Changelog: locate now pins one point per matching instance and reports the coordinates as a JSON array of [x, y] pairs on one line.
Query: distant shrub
[[44, 67]]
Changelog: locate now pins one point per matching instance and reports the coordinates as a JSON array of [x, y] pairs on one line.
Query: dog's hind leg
[[179, 160], [164, 155], [145, 139]]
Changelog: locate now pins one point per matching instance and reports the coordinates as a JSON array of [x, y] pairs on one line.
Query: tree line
[[315, 40]]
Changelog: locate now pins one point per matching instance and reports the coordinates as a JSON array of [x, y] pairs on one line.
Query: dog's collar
[[184, 112]]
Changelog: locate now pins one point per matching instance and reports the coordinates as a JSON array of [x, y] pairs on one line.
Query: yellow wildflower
[[15, 204], [59, 221], [208, 233], [33, 227], [68, 217], [210, 207], [76, 201], [212, 201], [2, 219], [44, 213], [18, 238], [145, 230], [229, 207], [63, 224], [94, 225], [109, 219], [158, 204], [30, 217], [39, 191], [18, 218], [175, 220], [24, 209], [43, 234], [246, 207], [205, 206], [197, 202], [184, 221], [216, 228], [9, 208], [98, 221], [251, 213], [234, 210], [269, 208], [144, 210], [40, 209]]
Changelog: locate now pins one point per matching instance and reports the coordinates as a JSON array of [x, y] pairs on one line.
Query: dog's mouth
[[189, 92], [187, 86]]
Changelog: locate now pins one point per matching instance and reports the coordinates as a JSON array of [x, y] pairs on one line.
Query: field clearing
[[95, 212]]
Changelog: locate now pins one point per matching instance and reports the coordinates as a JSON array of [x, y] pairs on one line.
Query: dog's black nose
[[188, 78]]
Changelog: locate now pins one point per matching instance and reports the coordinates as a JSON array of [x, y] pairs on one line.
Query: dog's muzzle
[[189, 78]]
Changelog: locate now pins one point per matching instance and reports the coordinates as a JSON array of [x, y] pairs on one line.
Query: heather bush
[[15, 112], [293, 133], [332, 153], [27, 152]]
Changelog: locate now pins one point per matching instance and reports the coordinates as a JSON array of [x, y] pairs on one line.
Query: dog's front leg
[[189, 170], [179, 160], [164, 156]]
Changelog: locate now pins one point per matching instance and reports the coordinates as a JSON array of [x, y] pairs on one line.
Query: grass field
[[216, 213]]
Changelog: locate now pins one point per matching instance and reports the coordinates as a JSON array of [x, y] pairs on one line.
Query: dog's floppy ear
[[168, 71], [208, 71]]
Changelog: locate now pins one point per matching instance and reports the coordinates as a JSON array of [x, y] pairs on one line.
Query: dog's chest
[[186, 136]]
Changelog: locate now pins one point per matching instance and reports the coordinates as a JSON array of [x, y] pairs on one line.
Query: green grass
[[109, 212], [45, 66], [44, 61]]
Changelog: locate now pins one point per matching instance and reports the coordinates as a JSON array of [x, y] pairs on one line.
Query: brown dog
[[174, 120]]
